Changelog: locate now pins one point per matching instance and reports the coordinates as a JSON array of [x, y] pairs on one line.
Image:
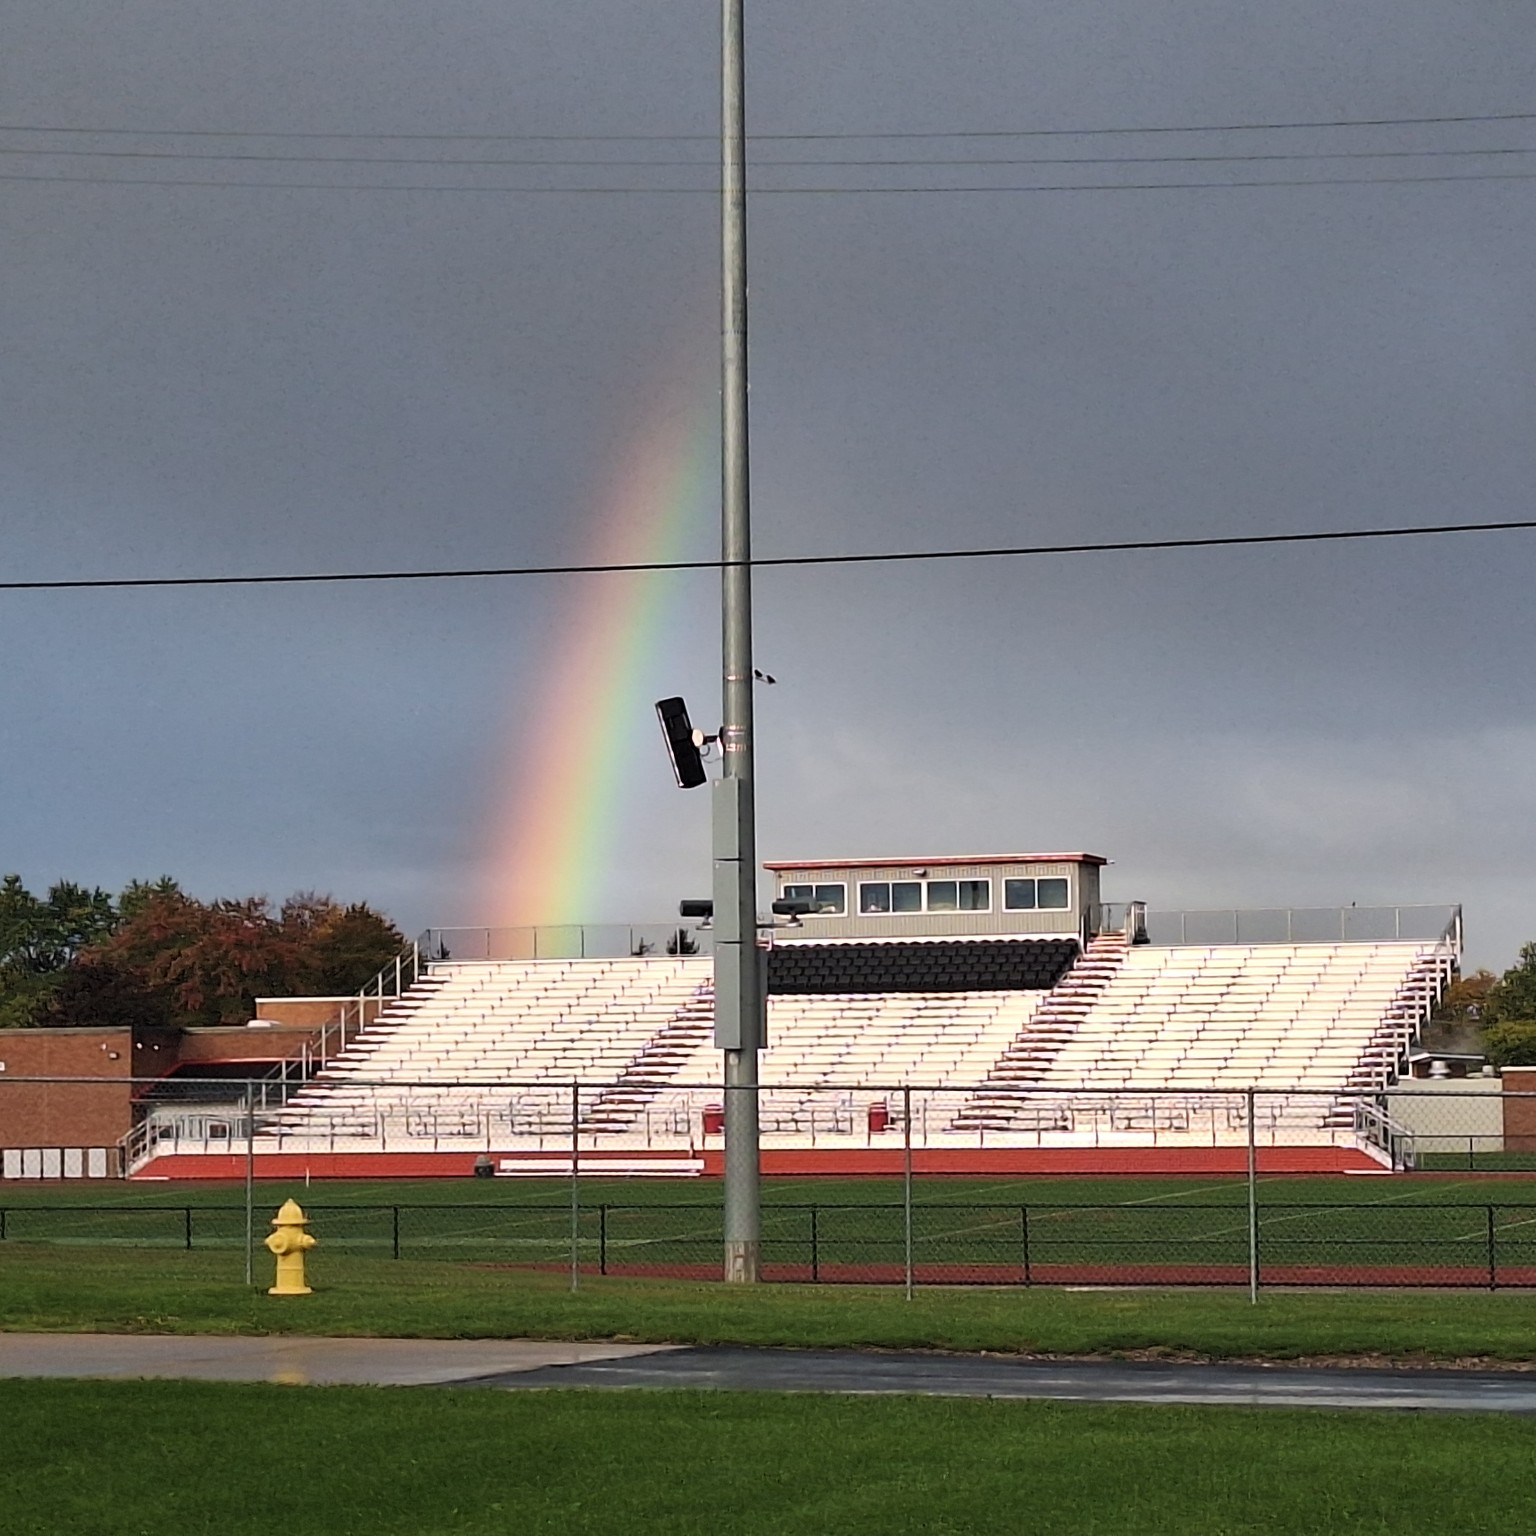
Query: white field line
[[1481, 1235], [1312, 1210]]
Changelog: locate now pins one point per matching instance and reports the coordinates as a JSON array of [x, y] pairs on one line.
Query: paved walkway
[[529, 1363], [1099, 1381], [292, 1360]]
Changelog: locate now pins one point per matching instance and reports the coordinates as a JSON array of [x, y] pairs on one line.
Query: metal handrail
[[1421, 922]]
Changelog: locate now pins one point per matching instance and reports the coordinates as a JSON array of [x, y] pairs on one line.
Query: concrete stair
[[993, 1106]]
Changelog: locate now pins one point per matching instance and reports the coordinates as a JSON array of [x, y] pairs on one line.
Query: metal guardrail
[[1426, 924], [567, 941]]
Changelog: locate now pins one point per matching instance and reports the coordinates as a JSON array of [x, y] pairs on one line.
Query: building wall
[[1446, 1114], [1519, 1114], [1083, 896], [239, 1042], [94, 1114], [98, 1113], [305, 1011]]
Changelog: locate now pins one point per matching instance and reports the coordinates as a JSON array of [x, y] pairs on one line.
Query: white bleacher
[[491, 1049], [1312, 1026], [1273, 1016], [483, 1054], [867, 1046]]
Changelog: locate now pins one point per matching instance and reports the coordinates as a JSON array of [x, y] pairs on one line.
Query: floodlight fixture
[[683, 743]]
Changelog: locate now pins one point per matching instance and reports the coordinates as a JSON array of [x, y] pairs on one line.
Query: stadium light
[[683, 743]]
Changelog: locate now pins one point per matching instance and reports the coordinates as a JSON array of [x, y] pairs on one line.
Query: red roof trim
[[945, 861]]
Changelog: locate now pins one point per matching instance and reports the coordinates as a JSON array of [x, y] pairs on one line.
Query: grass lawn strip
[[1083, 1230], [156, 1291], [335, 1461]]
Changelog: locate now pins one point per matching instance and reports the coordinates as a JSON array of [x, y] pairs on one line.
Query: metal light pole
[[739, 992]]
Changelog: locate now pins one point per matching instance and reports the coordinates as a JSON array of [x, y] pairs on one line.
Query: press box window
[[1050, 895], [825, 900], [879, 896], [959, 895]]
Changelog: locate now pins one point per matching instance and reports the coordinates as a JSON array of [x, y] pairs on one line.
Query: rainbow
[[564, 800]]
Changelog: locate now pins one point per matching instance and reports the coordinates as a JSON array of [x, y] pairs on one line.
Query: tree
[[40, 938], [344, 947], [1513, 996], [96, 996], [1511, 1043], [1466, 1000], [160, 956], [210, 961]]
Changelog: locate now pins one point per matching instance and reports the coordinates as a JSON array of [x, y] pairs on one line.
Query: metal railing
[[1425, 924], [567, 941]]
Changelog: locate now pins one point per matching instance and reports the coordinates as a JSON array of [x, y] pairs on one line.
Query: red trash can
[[714, 1119], [879, 1118]]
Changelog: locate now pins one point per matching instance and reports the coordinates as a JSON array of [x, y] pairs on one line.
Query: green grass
[[1061, 1190], [127, 1290], [488, 1259], [122, 1459], [1439, 1231]]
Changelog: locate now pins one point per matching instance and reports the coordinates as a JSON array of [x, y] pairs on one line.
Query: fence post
[[602, 1238], [575, 1186], [1493, 1259], [1253, 1200], [1024, 1235], [815, 1247], [394, 1233], [187, 1220], [906, 1182], [250, 1184]]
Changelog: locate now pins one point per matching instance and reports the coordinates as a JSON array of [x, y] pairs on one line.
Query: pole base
[[289, 1290], [741, 1263]]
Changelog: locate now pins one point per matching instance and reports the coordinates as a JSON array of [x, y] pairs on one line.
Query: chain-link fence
[[939, 1241], [863, 1184]]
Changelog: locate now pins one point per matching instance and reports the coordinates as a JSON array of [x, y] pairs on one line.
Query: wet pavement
[[1095, 1381], [524, 1364]]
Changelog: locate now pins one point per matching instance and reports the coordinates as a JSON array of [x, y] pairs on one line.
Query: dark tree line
[[1502, 1007], [154, 955]]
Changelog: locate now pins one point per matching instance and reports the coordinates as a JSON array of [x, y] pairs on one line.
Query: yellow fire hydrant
[[290, 1242]]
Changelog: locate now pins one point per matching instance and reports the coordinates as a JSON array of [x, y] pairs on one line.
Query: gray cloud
[[204, 380]]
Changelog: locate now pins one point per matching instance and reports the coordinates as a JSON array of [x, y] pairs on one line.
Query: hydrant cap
[[290, 1215]]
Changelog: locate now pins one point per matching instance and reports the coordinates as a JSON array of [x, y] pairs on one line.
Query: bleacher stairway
[[1011, 1044], [679, 1042], [1053, 1024]]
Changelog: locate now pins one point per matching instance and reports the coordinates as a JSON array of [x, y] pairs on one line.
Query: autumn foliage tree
[[161, 956]]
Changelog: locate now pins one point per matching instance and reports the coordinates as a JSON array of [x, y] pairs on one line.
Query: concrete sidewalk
[[530, 1364], [293, 1360]]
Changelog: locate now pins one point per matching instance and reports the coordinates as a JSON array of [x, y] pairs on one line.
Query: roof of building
[[944, 861]]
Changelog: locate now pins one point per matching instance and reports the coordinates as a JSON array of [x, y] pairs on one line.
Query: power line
[[770, 562], [762, 138], [712, 165], [760, 191]]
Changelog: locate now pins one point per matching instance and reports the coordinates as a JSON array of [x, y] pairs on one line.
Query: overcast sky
[[222, 379]]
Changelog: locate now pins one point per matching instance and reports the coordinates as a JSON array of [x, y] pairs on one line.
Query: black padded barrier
[[972, 965]]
